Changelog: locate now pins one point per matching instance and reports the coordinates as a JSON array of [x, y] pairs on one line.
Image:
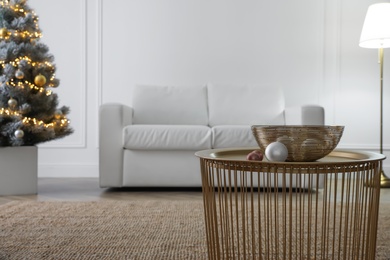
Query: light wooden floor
[[87, 189]]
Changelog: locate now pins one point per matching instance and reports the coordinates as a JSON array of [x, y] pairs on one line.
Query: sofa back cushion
[[170, 105], [245, 105]]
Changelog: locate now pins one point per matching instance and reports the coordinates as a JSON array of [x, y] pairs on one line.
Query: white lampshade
[[376, 28]]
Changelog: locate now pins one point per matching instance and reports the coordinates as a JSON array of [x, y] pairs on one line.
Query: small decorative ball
[[255, 155], [12, 103], [276, 151], [19, 134], [19, 74], [40, 80], [4, 32]]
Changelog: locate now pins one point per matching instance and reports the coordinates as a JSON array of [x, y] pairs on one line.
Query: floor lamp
[[376, 35]]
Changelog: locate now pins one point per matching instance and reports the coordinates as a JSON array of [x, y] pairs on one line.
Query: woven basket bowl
[[304, 143]]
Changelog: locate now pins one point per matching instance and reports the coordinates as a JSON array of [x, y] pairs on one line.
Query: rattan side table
[[326, 209]]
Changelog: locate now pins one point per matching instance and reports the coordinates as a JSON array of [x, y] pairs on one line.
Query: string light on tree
[[58, 114], [29, 112]]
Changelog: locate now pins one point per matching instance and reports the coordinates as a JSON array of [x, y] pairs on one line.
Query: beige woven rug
[[116, 230]]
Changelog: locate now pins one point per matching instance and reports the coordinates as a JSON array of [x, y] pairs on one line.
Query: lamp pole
[[385, 181]]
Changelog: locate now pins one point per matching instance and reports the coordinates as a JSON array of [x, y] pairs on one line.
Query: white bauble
[[19, 134], [276, 151]]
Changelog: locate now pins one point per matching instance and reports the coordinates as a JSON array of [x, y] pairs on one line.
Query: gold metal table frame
[[327, 209]]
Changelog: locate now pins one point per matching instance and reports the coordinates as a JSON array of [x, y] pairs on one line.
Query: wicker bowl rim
[[318, 143]]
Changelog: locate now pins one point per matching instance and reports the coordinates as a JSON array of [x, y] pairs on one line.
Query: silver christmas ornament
[[19, 74], [19, 134], [12, 103]]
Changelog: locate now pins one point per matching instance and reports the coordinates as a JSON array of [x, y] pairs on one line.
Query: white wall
[[103, 48], [195, 42]]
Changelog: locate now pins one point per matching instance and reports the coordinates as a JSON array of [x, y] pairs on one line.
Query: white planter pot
[[18, 170]]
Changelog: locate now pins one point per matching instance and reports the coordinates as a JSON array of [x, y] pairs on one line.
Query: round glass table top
[[336, 156]]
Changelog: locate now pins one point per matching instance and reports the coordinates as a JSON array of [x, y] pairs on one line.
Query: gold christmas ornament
[[19, 133], [12, 103], [4, 32], [19, 74], [40, 80]]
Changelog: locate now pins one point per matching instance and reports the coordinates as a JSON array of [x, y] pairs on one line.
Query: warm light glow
[[33, 121], [18, 9], [22, 34], [30, 85], [39, 123], [8, 112], [17, 61], [376, 28]]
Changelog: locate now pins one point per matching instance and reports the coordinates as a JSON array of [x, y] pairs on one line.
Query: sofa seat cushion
[[170, 105], [167, 137], [233, 136]]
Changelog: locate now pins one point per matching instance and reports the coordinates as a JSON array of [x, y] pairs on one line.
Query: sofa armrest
[[112, 119], [305, 115]]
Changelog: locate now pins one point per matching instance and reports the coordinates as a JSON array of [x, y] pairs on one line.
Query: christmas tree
[[29, 112]]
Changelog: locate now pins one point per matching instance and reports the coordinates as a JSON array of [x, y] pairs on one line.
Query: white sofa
[[152, 143]]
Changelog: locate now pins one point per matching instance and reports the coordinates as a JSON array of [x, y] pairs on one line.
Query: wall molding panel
[[100, 52], [99, 65]]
